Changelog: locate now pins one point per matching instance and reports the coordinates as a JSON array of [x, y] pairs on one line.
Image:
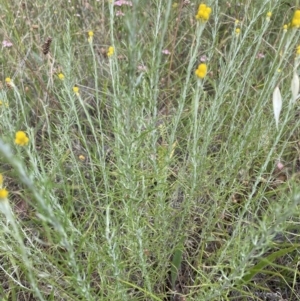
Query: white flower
[[277, 105], [295, 87]]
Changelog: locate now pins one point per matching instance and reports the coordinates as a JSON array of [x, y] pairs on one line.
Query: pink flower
[[166, 51], [142, 68], [119, 13], [280, 166], [260, 56], [203, 58], [122, 2], [7, 44]]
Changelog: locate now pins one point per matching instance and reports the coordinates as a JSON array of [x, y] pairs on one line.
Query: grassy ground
[[146, 182]]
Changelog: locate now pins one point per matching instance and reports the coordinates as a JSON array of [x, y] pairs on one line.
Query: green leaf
[[176, 261], [258, 268]]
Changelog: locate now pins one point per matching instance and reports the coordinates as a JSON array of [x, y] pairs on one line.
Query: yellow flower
[[110, 51], [204, 12], [21, 138], [81, 157], [90, 34], [296, 19], [269, 15], [61, 76], [9, 82], [237, 31], [3, 193], [76, 90], [201, 70], [285, 27]]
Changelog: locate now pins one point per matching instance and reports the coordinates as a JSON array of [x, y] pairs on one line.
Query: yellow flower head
[[21, 138], [110, 51], [201, 70], [203, 13], [3, 193], [9, 82], [90, 34], [76, 90], [285, 27], [61, 76], [296, 19], [237, 31], [269, 15]]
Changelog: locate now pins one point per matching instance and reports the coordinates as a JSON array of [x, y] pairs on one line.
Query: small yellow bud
[[61, 76], [76, 90], [81, 157]]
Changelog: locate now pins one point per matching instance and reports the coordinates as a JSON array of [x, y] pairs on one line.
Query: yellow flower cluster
[[201, 70], [111, 51], [21, 138], [204, 12], [296, 19]]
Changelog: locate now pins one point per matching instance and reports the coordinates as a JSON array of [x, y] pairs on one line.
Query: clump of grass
[[140, 156]]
